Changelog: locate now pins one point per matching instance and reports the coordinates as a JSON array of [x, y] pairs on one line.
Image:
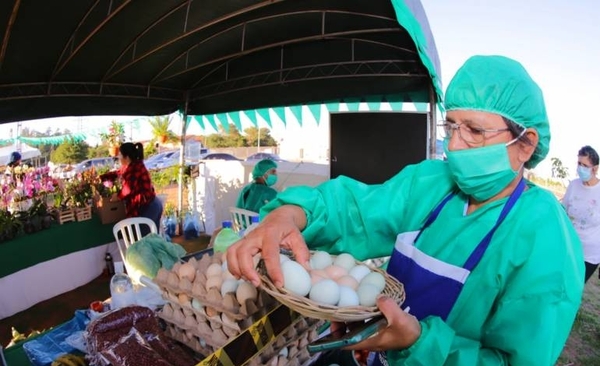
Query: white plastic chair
[[241, 218], [130, 230]]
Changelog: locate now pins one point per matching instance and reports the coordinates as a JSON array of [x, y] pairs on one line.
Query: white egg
[[214, 270], [229, 285], [348, 297], [345, 260], [284, 352], [367, 294], [224, 266], [325, 292], [374, 278], [283, 258], [295, 278], [320, 260], [359, 272]]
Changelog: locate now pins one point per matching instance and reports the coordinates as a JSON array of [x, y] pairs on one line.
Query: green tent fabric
[[109, 61]]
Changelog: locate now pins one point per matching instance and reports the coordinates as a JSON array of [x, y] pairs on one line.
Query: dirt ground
[[583, 346]]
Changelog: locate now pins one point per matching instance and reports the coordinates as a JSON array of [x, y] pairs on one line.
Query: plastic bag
[[49, 346], [133, 336], [191, 228], [171, 226], [133, 350], [151, 253]]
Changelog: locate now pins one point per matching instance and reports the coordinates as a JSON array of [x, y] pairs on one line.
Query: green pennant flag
[[236, 119], [353, 104], [396, 106], [374, 105], [251, 114], [264, 113], [421, 107], [333, 107], [187, 121], [297, 112], [223, 122], [200, 121], [211, 119], [280, 112], [315, 109]]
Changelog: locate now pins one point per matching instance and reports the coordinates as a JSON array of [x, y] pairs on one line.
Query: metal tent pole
[[182, 156], [432, 122]]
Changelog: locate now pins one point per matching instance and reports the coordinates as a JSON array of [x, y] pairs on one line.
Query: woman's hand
[[280, 229], [402, 330]]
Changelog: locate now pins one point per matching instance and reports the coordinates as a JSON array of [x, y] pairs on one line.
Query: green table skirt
[[15, 356], [30, 249]]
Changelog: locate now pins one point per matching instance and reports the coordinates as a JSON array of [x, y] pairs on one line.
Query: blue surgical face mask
[[584, 173], [271, 180], [481, 172]]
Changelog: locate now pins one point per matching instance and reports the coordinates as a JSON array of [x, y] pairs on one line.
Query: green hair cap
[[262, 167], [502, 86]]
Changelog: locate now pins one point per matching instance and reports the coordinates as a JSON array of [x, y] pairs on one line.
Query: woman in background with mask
[[582, 202], [260, 192], [491, 264]]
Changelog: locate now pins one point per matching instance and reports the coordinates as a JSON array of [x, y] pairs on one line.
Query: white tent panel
[[27, 152]]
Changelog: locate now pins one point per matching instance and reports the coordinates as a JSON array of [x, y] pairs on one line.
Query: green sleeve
[[347, 216], [240, 200], [546, 291]]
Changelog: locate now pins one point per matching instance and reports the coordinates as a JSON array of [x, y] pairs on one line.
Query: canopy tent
[[140, 57], [27, 152]]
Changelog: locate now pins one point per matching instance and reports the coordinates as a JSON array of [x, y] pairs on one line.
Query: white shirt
[[583, 207]]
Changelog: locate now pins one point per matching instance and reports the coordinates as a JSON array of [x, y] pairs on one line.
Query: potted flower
[[160, 128], [114, 137]]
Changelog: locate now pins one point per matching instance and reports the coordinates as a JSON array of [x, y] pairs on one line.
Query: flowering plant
[[115, 134]]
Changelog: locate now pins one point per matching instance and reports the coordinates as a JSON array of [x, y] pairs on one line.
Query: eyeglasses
[[470, 133]]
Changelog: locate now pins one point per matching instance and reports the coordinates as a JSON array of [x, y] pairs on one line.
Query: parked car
[[219, 156], [85, 165], [264, 155], [153, 161]]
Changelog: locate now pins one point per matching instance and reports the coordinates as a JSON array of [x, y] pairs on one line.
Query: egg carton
[[189, 339], [217, 330], [290, 347], [239, 305]]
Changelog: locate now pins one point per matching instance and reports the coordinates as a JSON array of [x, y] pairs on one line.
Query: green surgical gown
[[254, 196], [517, 306]]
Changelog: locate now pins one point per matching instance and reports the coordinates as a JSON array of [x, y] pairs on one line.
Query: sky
[[556, 40]]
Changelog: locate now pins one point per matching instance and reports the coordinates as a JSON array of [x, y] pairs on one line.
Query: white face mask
[[584, 173]]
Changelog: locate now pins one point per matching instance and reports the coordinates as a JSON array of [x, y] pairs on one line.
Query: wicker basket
[[309, 308]]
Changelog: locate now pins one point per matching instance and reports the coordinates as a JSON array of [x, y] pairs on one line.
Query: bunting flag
[[264, 114], [44, 140], [280, 112], [315, 109], [297, 112], [396, 102]]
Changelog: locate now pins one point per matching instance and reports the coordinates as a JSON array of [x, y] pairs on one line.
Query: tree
[[98, 151], [252, 137], [70, 152], [160, 129], [233, 138], [558, 169]]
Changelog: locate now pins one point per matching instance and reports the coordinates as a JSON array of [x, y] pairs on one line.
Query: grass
[[582, 347]]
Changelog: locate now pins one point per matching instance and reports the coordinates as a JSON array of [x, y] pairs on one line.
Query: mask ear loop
[[516, 138]]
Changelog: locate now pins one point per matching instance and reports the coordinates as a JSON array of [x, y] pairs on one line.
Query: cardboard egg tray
[[182, 291], [279, 338]]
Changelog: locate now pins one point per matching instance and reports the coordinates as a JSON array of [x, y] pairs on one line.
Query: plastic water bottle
[[121, 288], [253, 224], [225, 237]]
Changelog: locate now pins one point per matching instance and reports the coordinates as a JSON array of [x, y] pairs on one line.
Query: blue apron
[[432, 286]]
